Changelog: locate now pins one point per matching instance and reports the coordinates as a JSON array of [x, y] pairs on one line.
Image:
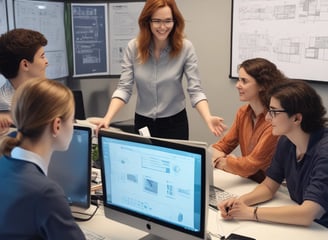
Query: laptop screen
[[71, 169]]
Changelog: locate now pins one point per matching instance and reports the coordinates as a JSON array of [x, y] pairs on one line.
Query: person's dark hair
[[296, 96], [145, 35], [36, 103], [265, 73], [16, 45]]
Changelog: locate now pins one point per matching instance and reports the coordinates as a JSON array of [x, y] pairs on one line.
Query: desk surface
[[236, 185]]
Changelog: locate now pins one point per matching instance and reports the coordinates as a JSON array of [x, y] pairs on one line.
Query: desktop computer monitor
[[71, 169], [154, 185]]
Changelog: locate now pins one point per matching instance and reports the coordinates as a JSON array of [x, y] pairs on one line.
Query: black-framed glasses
[[273, 112], [159, 22]]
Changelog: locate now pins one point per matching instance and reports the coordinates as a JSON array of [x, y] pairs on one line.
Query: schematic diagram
[[291, 33]]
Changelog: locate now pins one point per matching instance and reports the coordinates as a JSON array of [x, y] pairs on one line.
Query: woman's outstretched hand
[[216, 125]]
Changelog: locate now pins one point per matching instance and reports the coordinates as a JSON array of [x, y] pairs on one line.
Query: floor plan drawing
[[291, 33]]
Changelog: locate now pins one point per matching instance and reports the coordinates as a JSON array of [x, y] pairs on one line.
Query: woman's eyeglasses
[[273, 112], [158, 22]]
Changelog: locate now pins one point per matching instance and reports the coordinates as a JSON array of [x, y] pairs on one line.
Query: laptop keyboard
[[218, 195]]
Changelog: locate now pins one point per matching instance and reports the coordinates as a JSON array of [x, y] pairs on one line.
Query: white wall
[[208, 27]]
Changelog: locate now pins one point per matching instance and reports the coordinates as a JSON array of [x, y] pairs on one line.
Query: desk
[[236, 185]]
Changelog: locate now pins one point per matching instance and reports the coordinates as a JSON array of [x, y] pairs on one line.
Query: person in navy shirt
[[32, 205], [301, 159]]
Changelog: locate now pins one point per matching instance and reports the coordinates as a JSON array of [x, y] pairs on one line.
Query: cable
[[94, 201]]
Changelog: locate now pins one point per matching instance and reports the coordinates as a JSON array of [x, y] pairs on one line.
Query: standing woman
[[156, 61], [298, 116], [32, 205], [250, 131]]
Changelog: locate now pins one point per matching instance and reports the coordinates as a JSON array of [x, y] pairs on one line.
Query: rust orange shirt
[[257, 144]]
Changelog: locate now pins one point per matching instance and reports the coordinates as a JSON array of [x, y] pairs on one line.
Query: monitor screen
[[209, 165], [71, 169], [154, 185]]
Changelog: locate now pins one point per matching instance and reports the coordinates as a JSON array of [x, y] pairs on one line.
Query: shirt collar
[[251, 112], [316, 136], [167, 49], [22, 154]]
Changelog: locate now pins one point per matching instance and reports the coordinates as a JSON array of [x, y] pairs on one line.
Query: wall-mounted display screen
[[123, 26], [3, 17], [46, 17], [89, 31], [293, 34]]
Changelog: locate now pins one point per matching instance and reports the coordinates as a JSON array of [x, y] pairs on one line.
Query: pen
[[228, 208]]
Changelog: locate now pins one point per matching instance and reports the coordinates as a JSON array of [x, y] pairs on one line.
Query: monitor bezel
[[87, 203], [154, 226]]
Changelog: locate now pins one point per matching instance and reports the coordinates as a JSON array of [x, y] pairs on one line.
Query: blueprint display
[[89, 29], [291, 33]]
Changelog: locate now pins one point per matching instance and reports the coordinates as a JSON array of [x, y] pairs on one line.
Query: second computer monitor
[[71, 169]]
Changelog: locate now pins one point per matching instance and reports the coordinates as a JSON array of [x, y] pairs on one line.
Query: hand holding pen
[[226, 206], [234, 208]]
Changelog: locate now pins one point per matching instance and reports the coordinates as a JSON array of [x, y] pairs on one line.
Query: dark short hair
[[296, 96], [16, 45]]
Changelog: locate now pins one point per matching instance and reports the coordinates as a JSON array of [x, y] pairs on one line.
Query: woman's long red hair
[[145, 35]]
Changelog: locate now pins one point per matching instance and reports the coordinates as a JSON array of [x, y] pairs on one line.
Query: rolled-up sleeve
[[125, 85], [191, 71]]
